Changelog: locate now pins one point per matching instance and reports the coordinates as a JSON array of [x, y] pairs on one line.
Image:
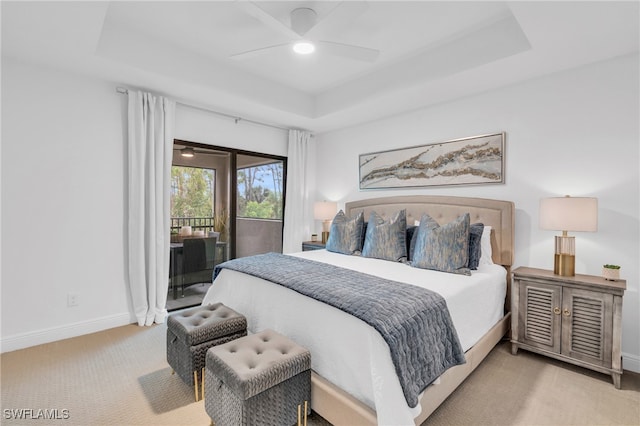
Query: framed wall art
[[467, 161]]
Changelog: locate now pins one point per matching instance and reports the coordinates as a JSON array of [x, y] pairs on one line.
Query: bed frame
[[340, 408]]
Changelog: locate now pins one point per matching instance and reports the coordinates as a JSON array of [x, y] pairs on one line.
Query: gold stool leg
[[195, 384], [202, 385], [300, 416]]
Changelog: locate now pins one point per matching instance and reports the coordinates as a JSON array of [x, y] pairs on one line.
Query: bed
[[354, 380]]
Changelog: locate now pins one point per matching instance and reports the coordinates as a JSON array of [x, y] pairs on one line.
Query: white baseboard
[[39, 337], [631, 362]]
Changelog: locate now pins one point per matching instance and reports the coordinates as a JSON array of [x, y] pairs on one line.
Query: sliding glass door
[[260, 204], [235, 196]]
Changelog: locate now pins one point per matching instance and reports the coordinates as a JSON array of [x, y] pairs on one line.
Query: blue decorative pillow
[[345, 234], [412, 232], [412, 245], [475, 236], [475, 248], [443, 248], [364, 233], [386, 239]]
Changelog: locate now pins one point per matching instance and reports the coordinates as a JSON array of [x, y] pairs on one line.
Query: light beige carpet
[[120, 377]]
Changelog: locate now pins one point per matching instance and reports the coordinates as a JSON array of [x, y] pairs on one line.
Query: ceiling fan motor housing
[[303, 19]]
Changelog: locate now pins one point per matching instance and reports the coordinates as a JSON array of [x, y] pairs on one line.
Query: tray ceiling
[[430, 52]]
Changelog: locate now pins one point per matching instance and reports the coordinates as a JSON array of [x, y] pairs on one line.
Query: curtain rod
[[237, 119]]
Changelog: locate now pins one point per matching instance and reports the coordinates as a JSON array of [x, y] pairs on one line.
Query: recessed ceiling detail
[[427, 52]]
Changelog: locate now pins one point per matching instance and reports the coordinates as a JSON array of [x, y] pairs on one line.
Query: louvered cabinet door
[[587, 326], [540, 320]]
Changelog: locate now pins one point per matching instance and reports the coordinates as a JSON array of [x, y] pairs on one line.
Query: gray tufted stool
[[261, 379], [191, 332]]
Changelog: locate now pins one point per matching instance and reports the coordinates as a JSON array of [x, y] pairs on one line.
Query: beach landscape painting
[[468, 161]]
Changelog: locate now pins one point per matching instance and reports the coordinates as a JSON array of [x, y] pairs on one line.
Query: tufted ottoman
[[191, 332], [261, 379]]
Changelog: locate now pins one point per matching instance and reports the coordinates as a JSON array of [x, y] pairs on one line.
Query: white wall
[[575, 132], [196, 125], [62, 205], [63, 192]]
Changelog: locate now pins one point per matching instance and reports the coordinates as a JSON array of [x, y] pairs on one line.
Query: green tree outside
[[260, 191], [192, 192]]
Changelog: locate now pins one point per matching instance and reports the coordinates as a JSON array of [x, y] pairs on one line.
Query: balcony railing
[[252, 236], [196, 223]]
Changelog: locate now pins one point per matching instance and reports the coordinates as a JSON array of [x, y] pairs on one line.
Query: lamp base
[[325, 237], [564, 265]]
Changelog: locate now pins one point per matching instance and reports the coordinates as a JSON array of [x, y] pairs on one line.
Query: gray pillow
[[345, 234], [475, 236], [475, 248], [386, 239], [443, 248], [412, 232]]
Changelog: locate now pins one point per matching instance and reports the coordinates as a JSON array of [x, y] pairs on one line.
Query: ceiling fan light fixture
[[187, 152], [304, 47]]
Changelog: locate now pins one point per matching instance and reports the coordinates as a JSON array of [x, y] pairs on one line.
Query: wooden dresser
[[574, 319]]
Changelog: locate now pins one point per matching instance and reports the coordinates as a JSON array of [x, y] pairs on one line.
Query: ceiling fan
[[306, 31]]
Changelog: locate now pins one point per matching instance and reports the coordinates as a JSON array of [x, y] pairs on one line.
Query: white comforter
[[347, 351]]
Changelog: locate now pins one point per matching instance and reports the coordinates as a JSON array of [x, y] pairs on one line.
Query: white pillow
[[485, 247]]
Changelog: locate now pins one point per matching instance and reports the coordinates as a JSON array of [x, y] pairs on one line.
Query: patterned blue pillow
[[443, 248], [386, 240], [475, 236], [345, 234], [412, 233], [364, 233]]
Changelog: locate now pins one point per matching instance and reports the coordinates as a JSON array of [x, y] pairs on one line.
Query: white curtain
[[298, 218], [151, 125]]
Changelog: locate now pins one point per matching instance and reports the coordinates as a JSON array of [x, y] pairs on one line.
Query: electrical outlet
[[72, 299]]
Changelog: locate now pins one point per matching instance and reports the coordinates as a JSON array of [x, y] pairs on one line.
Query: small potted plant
[[611, 272]]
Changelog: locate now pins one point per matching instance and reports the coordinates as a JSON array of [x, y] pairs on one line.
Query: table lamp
[[325, 211], [568, 214]]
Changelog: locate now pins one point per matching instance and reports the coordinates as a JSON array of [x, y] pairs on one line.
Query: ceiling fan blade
[[260, 14], [258, 52], [339, 18], [350, 51]]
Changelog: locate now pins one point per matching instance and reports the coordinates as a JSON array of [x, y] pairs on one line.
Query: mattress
[[348, 352]]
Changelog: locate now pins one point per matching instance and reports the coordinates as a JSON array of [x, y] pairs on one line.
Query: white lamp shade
[[324, 210], [569, 214]]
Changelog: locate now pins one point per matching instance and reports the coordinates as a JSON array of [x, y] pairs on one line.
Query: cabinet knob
[[566, 313], [556, 310]]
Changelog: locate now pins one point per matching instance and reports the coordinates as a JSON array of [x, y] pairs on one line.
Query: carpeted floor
[[120, 377]]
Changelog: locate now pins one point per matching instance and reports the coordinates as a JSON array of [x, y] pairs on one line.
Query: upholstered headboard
[[495, 213]]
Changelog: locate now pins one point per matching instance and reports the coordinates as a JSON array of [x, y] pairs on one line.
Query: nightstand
[[312, 245], [573, 319]]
